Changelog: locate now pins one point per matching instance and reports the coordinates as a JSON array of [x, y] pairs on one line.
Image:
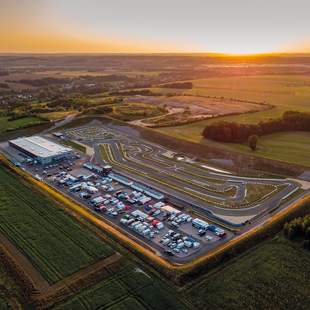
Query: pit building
[[41, 149]]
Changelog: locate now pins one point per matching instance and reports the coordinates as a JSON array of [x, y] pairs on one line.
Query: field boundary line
[[78, 281], [22, 262]]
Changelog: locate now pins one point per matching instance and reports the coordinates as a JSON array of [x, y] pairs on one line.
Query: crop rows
[[54, 242], [130, 288]]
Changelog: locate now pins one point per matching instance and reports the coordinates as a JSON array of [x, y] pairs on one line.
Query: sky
[[157, 26]]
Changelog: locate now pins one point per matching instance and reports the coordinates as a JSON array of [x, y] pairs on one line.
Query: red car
[[101, 208]]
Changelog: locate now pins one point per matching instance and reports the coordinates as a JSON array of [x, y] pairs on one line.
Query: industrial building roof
[[40, 147]]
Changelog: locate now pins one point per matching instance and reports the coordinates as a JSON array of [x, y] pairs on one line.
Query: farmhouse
[[41, 149]]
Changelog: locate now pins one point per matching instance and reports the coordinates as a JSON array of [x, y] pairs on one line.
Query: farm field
[[10, 293], [76, 73], [202, 105], [3, 304], [291, 147], [134, 111], [289, 92], [129, 288], [53, 116], [5, 124], [186, 109], [275, 275], [285, 92], [55, 243]]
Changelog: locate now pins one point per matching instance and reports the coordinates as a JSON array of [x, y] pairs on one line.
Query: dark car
[[201, 232], [168, 252]]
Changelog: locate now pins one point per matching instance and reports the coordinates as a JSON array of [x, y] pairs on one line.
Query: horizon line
[[157, 53]]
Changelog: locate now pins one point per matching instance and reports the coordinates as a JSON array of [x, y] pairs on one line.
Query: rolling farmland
[[130, 288], [284, 92], [275, 275], [56, 244], [5, 124]]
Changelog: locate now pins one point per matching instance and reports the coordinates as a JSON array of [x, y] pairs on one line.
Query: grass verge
[[74, 145]]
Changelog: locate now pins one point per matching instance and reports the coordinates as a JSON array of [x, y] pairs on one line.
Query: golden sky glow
[[234, 27]]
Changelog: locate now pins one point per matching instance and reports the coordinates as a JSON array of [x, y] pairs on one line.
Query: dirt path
[[76, 282], [48, 294], [83, 273], [20, 260]]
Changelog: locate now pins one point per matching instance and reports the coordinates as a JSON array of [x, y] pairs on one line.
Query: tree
[[291, 233], [252, 142], [306, 244]]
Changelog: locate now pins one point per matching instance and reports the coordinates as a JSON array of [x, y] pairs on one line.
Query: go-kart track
[[188, 208], [219, 195]]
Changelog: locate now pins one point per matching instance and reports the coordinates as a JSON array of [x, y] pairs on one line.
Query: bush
[[298, 227], [306, 244], [99, 110], [252, 141]]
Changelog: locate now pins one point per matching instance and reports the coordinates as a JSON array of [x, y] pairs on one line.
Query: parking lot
[[170, 203], [136, 209]]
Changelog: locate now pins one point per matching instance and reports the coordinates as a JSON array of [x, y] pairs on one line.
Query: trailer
[[90, 189], [97, 200], [143, 200], [200, 224]]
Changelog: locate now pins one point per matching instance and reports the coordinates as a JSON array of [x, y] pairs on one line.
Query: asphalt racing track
[[219, 195]]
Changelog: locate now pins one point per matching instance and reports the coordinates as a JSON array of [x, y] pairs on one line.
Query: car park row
[[129, 204]]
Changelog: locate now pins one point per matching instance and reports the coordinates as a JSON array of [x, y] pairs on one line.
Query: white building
[[41, 149]]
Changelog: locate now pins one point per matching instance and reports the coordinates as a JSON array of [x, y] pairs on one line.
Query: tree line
[[180, 85], [299, 228], [240, 133], [134, 92]]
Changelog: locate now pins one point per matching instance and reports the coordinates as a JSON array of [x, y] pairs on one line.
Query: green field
[[5, 124], [291, 147], [55, 243], [285, 92], [54, 116], [129, 288], [275, 275], [74, 145], [3, 304], [135, 111]]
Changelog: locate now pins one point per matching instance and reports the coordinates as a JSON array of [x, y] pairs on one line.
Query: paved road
[[60, 123]]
